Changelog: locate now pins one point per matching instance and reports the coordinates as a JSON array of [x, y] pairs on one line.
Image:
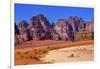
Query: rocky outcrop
[[90, 26], [16, 29], [24, 31], [77, 23], [16, 34], [39, 28], [24, 34], [66, 29], [62, 30]]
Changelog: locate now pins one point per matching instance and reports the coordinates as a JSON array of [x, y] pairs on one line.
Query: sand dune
[[72, 54], [53, 52]]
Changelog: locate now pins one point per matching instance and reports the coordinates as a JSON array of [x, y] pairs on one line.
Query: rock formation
[[39, 28]]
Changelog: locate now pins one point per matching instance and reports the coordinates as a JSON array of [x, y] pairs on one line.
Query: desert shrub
[[45, 51], [36, 58], [26, 52], [51, 48], [30, 57], [35, 49], [55, 48], [18, 52], [39, 56], [53, 60], [22, 56], [48, 47], [26, 57], [39, 50], [35, 52]]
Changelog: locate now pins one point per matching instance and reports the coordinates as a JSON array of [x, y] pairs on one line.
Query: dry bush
[[27, 52], [39, 50], [18, 52], [35, 49], [35, 52], [45, 51], [22, 56], [36, 58], [26, 57], [48, 47], [30, 57]]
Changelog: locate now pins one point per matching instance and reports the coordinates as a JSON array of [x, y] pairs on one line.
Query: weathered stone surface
[[24, 34], [16, 29], [76, 23], [61, 28], [90, 26], [16, 34], [64, 30], [39, 28]]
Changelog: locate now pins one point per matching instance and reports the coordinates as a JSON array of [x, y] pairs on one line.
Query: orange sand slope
[[48, 51], [82, 53]]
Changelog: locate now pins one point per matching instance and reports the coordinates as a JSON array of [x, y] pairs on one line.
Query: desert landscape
[[55, 52], [40, 41]]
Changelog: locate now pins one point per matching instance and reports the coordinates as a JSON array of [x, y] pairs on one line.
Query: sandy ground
[[36, 43], [72, 54], [48, 51]]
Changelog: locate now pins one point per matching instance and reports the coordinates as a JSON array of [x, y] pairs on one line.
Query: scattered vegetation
[[26, 52], [22, 56], [18, 52], [33, 55]]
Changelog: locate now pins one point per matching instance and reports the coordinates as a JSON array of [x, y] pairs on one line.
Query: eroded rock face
[[22, 33], [76, 23], [64, 30], [16, 34], [22, 26], [90, 26], [67, 29], [16, 29], [39, 28], [61, 28]]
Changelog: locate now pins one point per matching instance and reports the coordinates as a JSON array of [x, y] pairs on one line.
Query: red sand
[[34, 43]]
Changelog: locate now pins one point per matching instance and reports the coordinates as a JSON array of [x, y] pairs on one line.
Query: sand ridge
[[82, 53]]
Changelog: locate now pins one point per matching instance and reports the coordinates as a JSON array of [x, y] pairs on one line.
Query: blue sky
[[53, 13]]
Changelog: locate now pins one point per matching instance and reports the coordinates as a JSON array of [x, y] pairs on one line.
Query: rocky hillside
[[39, 28]]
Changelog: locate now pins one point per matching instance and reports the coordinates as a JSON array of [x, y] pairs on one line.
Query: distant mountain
[[39, 28]]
